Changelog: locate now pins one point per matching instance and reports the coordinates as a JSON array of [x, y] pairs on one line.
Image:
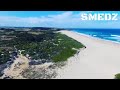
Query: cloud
[[61, 16], [66, 19]]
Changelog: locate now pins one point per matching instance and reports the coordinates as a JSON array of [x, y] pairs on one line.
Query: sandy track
[[19, 65]]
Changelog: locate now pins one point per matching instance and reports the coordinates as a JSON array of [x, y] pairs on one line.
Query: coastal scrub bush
[[48, 45], [65, 47], [117, 76]]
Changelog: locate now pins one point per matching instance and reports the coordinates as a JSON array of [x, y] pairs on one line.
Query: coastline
[[100, 60], [106, 40]]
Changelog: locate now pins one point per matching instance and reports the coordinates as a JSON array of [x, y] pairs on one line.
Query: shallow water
[[107, 34]]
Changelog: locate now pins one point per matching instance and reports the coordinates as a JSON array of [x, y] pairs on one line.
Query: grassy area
[[66, 45], [48, 45], [36, 33], [117, 76]]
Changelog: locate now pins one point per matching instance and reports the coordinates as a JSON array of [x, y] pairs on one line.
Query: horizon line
[[55, 27]]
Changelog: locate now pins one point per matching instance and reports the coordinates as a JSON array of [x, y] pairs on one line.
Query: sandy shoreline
[[100, 60]]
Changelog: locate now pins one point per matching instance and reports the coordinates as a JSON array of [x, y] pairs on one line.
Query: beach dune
[[99, 60]]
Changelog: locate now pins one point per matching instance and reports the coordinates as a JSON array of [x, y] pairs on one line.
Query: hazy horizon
[[57, 19], [55, 27]]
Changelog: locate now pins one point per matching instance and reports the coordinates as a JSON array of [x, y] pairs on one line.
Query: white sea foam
[[115, 35], [111, 38], [100, 59]]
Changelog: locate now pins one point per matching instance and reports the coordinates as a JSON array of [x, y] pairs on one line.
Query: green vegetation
[[4, 56], [49, 45], [117, 76], [67, 47]]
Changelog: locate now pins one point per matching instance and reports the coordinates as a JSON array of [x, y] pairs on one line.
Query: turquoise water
[[107, 34]]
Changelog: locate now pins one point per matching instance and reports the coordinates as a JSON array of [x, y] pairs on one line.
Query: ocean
[[106, 34]]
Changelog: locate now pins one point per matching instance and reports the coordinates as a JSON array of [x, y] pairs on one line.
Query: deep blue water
[[107, 34]]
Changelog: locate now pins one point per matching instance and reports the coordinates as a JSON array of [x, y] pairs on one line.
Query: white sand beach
[[100, 60]]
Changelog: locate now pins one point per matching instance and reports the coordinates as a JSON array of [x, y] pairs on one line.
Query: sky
[[60, 19]]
